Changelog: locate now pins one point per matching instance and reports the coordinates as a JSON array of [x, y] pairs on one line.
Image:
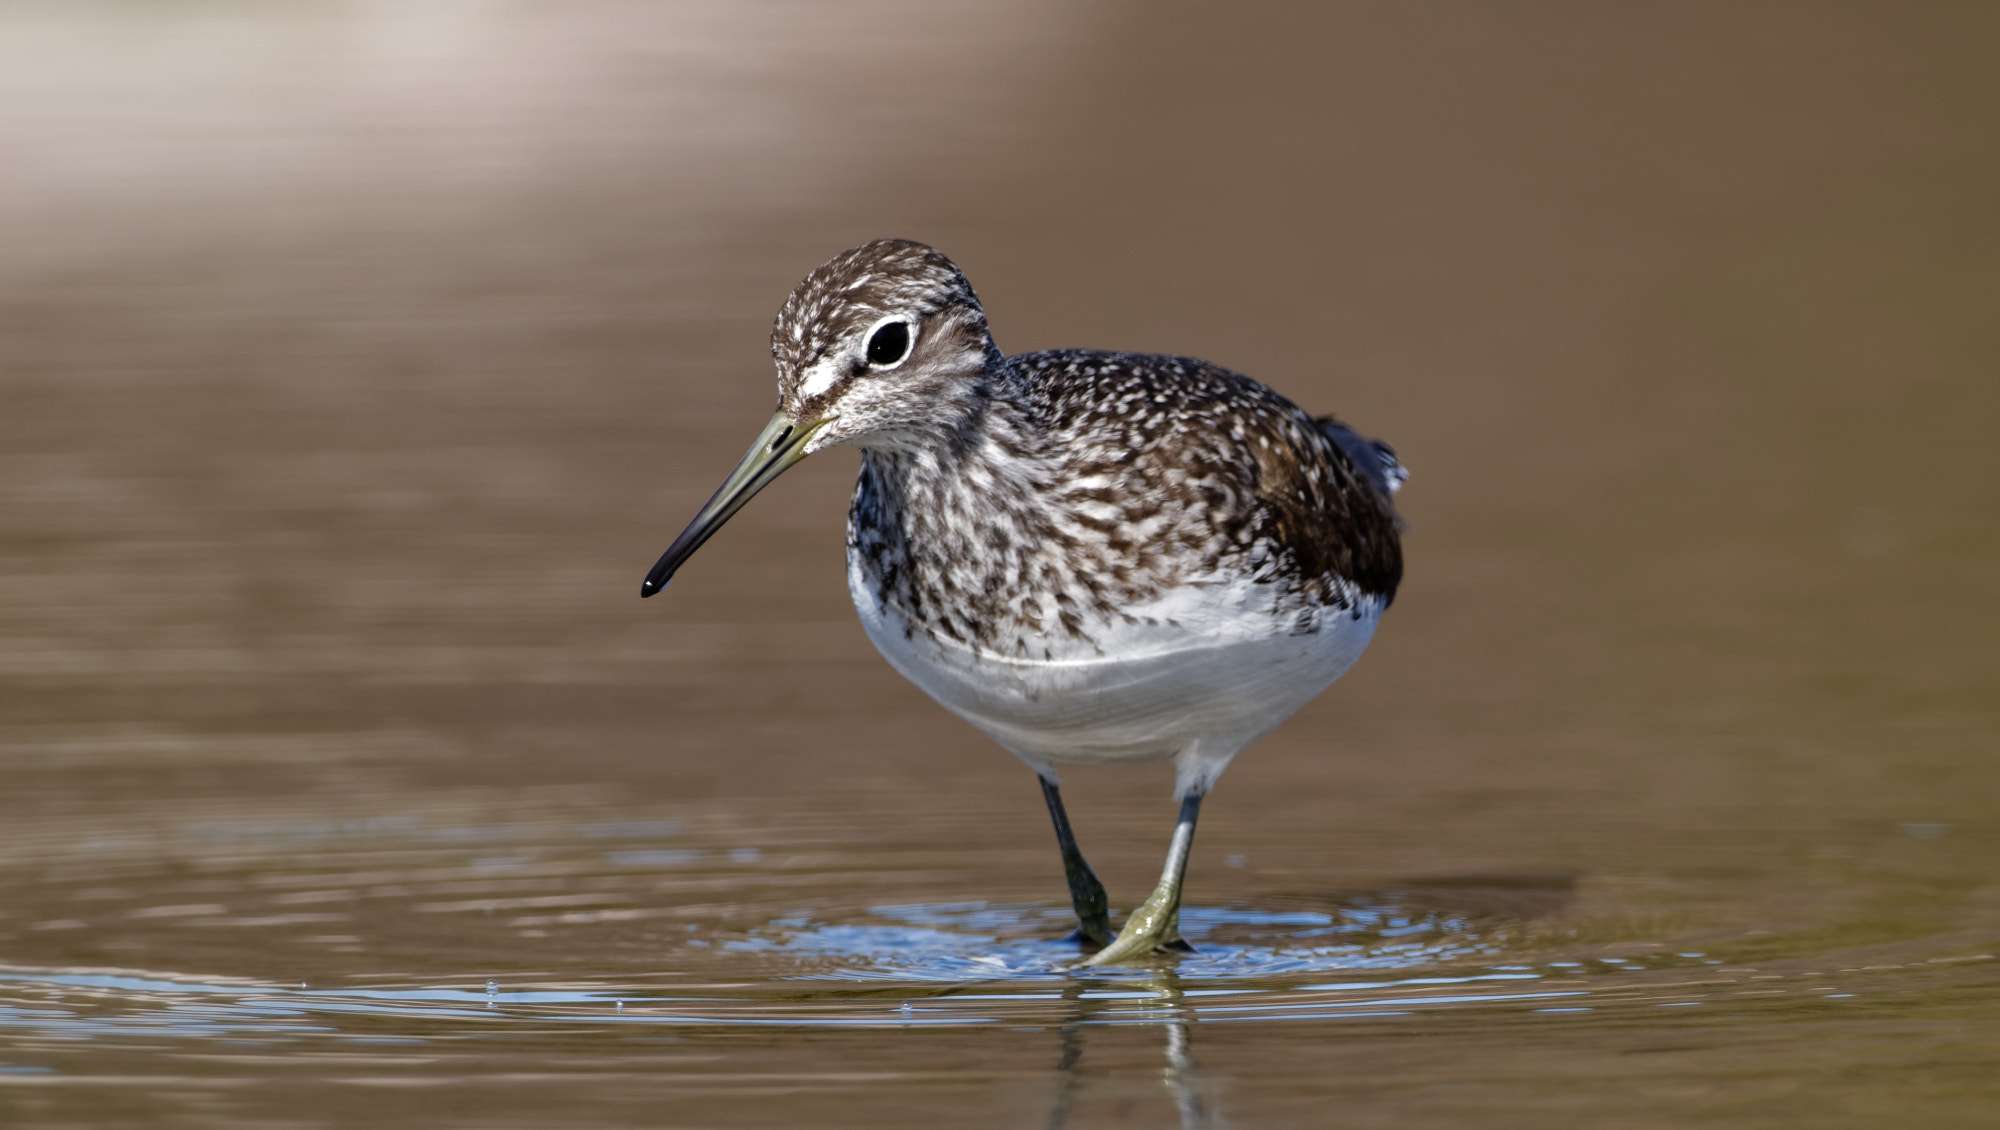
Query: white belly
[[1216, 672]]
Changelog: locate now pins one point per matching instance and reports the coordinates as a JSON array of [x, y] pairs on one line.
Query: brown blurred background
[[357, 359]]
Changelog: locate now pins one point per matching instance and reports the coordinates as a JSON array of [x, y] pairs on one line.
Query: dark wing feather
[[1375, 459]]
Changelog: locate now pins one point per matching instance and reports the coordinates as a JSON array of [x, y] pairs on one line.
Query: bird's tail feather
[[1375, 460]]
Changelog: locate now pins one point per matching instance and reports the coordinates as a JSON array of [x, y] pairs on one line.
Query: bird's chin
[[831, 433], [894, 438]]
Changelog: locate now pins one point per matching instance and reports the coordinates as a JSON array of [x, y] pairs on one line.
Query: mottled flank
[[1088, 483]]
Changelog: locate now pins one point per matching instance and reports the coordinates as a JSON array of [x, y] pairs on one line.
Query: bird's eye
[[889, 344]]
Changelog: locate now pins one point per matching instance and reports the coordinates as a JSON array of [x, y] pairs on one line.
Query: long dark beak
[[782, 444]]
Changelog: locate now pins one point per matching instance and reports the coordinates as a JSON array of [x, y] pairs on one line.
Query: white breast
[[1213, 671]]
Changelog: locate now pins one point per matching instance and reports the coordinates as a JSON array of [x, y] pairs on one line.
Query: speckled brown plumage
[[1081, 484]]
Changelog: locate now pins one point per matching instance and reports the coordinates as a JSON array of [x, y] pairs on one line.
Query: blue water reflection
[[977, 940]]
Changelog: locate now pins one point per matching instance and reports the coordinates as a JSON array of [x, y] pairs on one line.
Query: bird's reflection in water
[[1183, 1079], [1180, 1074]]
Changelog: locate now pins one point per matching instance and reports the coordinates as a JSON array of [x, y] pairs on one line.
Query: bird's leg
[[1156, 925], [1093, 910]]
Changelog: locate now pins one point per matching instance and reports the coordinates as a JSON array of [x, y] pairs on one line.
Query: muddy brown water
[[358, 359]]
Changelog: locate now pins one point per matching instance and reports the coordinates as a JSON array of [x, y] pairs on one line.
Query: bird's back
[[1183, 458]]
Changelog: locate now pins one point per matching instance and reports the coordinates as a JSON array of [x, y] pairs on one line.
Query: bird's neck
[[977, 467], [976, 417], [984, 452], [946, 528]]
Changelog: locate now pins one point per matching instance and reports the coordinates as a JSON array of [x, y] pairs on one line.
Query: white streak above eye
[[824, 374]]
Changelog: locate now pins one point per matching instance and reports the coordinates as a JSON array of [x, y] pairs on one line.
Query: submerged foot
[[1153, 929]]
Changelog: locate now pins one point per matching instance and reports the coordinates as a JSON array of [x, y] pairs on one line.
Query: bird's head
[[882, 346]]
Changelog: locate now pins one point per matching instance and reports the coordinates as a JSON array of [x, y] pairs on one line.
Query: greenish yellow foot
[[1154, 928]]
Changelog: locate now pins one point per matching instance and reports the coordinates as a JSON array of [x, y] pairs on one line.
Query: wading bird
[[1093, 557]]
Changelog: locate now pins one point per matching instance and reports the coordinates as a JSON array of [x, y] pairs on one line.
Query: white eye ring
[[909, 342]]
